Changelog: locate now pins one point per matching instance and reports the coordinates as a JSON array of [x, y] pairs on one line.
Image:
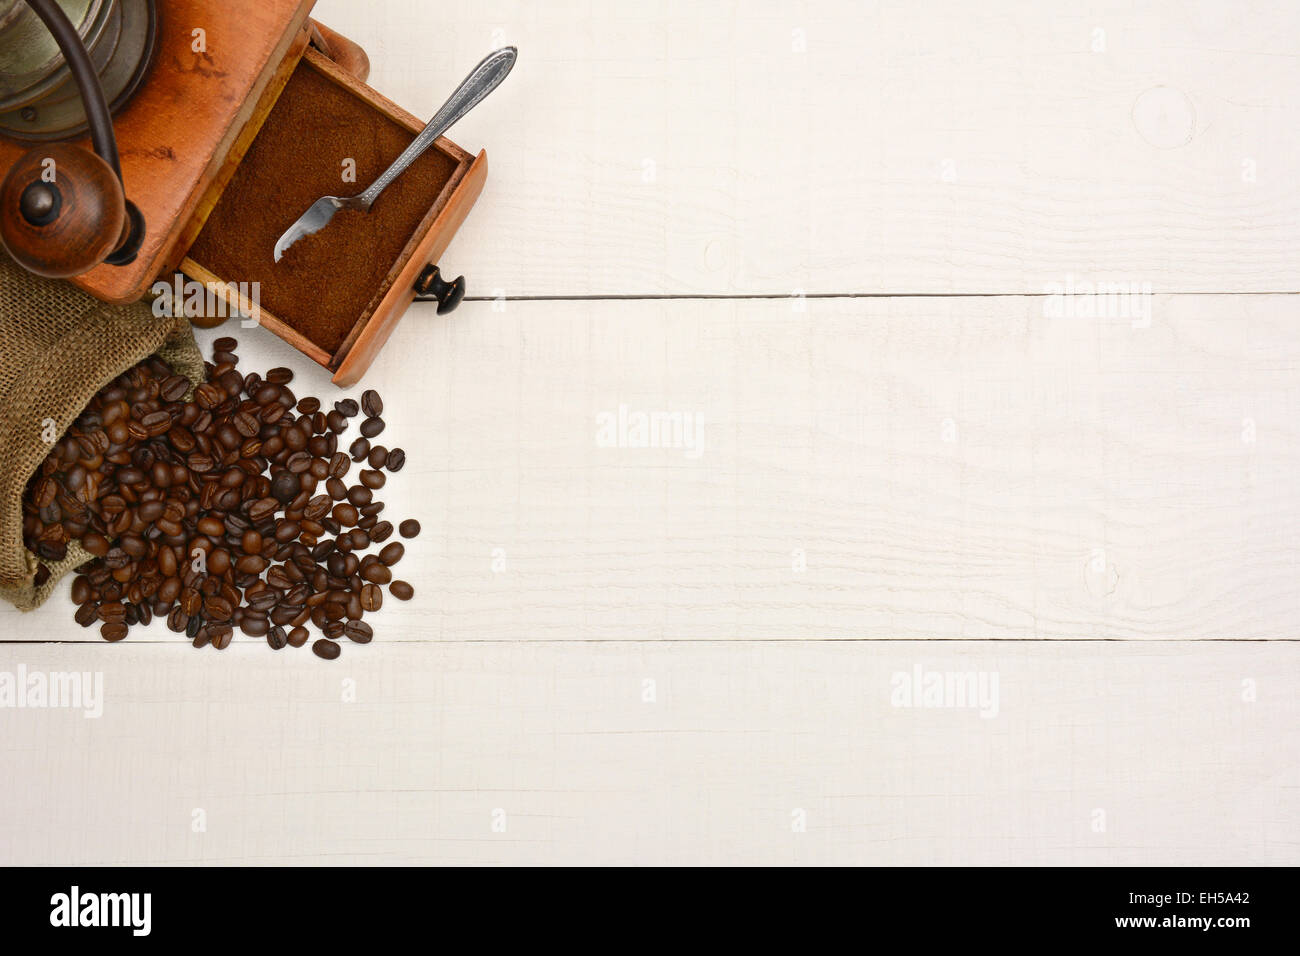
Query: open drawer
[[336, 295]]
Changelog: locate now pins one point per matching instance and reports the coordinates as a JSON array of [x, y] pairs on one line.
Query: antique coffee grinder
[[65, 67], [142, 140]]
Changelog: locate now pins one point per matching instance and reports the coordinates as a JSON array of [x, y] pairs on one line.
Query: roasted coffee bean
[[264, 394], [336, 489], [285, 485], [219, 561], [360, 495], [169, 589], [372, 598], [155, 423], [260, 598], [211, 525], [373, 480], [381, 532], [226, 343], [371, 404], [378, 456], [113, 631], [261, 509], [221, 635], [359, 449], [191, 600], [309, 405], [376, 572], [277, 638], [396, 459], [401, 590], [345, 514], [392, 553], [208, 396], [81, 589], [174, 388], [112, 611], [347, 407], [283, 614], [409, 528], [336, 421], [298, 637], [280, 376], [339, 465], [251, 564], [217, 608], [359, 632], [318, 507], [372, 427], [325, 649]]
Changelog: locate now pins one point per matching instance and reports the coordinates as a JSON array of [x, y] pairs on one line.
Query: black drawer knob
[[432, 287]]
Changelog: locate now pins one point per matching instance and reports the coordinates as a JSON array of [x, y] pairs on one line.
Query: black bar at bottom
[[1166, 906]]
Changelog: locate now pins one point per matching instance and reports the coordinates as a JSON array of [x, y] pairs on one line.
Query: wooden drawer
[[336, 295]]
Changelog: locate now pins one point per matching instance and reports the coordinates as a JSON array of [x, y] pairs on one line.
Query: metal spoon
[[482, 80]]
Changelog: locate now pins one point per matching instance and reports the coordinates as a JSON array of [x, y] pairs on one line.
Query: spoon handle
[[482, 80]]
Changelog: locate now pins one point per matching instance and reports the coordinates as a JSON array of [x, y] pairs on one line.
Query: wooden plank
[[944, 467], [842, 146], [1099, 754]]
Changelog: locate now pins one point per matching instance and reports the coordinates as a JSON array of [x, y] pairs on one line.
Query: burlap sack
[[58, 347]]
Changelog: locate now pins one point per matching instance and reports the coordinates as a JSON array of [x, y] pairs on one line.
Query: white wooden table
[[831, 233]]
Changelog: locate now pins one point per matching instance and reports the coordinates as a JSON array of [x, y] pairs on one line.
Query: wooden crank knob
[[62, 210]]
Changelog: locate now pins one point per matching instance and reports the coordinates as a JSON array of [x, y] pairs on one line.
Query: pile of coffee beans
[[230, 510]]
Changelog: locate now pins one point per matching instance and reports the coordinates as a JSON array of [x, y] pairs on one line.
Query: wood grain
[[1162, 747], [651, 148]]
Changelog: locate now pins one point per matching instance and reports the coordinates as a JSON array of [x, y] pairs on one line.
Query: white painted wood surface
[[1099, 509], [1099, 754]]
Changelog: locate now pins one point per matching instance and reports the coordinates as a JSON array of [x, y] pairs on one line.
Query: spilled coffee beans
[[229, 511]]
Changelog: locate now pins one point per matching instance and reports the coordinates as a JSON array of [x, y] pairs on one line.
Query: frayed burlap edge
[[58, 347]]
